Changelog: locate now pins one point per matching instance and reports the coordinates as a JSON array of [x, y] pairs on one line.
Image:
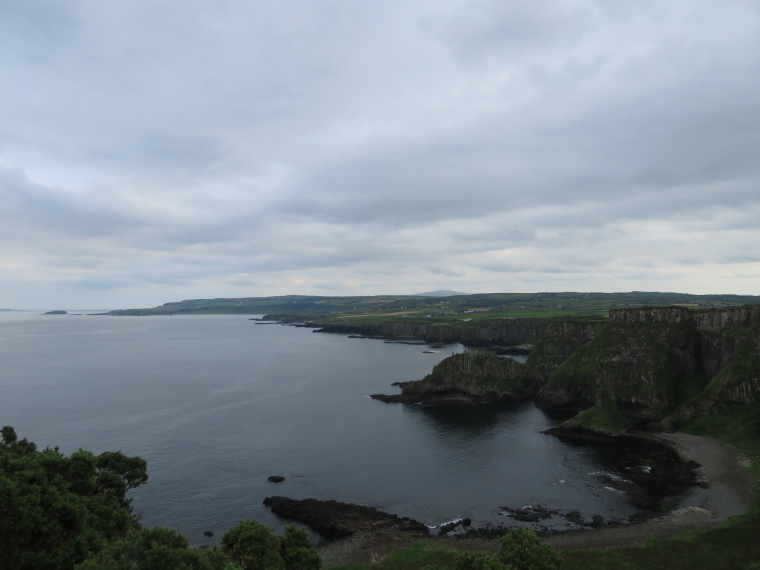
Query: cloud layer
[[152, 151]]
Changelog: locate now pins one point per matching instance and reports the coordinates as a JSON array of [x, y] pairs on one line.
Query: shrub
[[522, 549]]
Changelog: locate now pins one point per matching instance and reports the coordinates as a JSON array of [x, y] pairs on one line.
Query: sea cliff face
[[661, 365], [560, 339]]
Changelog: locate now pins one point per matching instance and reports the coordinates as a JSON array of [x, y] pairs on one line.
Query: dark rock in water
[[453, 525], [333, 519], [529, 513], [597, 521], [276, 478], [208, 533], [436, 346]]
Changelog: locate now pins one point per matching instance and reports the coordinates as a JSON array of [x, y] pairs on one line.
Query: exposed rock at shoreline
[[333, 519], [470, 378]]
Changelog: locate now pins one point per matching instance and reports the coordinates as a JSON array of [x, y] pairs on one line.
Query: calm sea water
[[216, 404]]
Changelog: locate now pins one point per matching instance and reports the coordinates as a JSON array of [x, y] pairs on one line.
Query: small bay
[[216, 404]]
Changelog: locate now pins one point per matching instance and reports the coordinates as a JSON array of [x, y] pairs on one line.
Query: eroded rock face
[[470, 378]]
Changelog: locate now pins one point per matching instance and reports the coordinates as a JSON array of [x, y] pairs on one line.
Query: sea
[[218, 403]]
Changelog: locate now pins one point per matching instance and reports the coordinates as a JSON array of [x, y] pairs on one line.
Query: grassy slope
[[732, 545]]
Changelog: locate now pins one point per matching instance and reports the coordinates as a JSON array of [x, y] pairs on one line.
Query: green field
[[431, 310]]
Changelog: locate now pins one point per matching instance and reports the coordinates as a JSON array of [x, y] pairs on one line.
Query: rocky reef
[[470, 378], [333, 519]]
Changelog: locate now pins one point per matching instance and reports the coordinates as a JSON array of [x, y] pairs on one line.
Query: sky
[[153, 151]]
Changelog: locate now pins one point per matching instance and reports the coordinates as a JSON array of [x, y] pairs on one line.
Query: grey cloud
[[348, 147]]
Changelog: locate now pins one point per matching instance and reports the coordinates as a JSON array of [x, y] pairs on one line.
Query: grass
[[606, 419], [417, 554], [733, 545]]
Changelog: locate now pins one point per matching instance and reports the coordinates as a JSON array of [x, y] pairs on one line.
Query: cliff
[[497, 332], [650, 367], [472, 377], [660, 366], [559, 340]]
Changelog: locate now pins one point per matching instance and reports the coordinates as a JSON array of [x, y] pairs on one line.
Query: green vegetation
[[60, 513], [443, 310], [55, 509], [604, 419], [520, 549]]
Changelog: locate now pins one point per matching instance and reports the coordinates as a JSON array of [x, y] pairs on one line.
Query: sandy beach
[[728, 494]]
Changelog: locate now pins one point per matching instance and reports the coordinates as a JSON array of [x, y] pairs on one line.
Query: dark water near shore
[[216, 404]]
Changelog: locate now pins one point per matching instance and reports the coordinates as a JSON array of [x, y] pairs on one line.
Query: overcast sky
[[153, 150]]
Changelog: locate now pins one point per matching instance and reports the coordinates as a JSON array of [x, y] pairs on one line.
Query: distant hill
[[434, 307], [440, 293]]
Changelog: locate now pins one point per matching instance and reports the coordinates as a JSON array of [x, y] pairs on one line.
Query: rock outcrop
[[333, 519], [470, 378]]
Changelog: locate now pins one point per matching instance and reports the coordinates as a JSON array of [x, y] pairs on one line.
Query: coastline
[[728, 494]]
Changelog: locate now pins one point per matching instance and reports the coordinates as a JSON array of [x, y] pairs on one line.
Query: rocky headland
[[467, 379], [647, 368]]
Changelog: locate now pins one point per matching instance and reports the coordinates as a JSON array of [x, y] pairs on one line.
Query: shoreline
[[729, 494]]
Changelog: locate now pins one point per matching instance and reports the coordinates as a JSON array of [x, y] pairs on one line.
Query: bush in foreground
[[59, 513]]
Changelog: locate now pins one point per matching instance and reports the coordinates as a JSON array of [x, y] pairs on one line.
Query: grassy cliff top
[[443, 310]]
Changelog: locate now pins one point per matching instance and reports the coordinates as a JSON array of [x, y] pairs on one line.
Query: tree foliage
[[157, 548], [58, 513], [58, 509], [523, 550]]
